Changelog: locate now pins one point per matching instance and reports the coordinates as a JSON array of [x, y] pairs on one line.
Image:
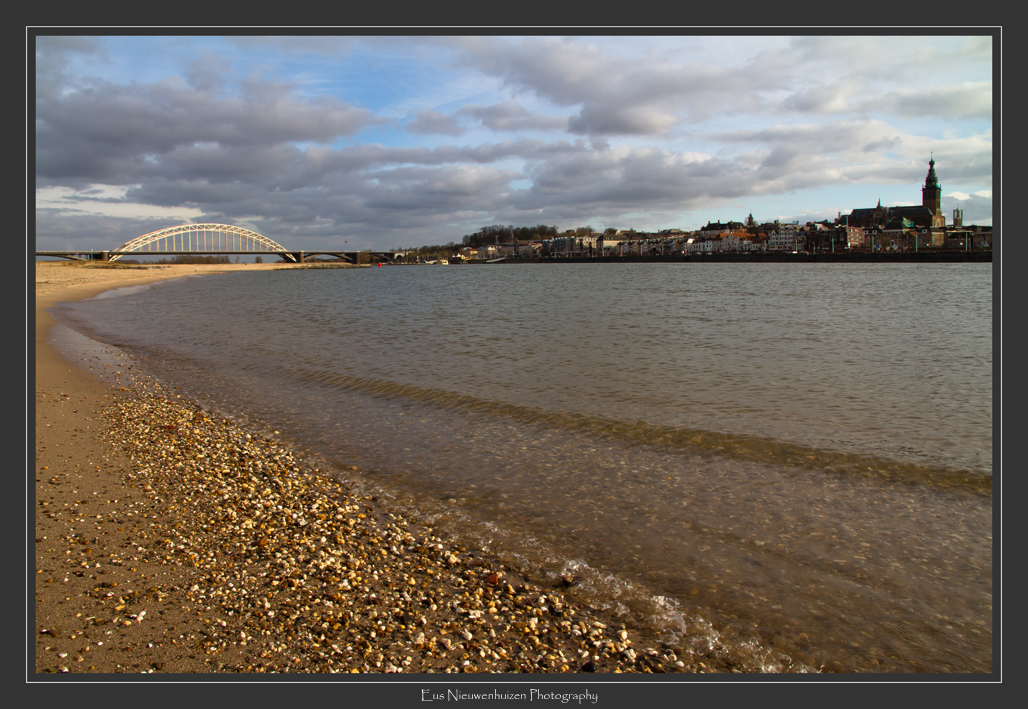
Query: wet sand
[[170, 540]]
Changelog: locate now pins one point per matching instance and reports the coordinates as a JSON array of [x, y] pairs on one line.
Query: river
[[790, 463]]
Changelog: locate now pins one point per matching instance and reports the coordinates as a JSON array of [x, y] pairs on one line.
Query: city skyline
[[380, 142]]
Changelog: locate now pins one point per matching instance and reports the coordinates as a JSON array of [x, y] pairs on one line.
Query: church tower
[[931, 195]]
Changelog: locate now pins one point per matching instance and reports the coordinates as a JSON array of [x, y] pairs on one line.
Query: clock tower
[[931, 195]]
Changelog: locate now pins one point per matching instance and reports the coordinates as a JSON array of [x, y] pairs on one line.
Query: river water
[[788, 463]]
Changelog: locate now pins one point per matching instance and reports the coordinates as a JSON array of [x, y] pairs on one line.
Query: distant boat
[[495, 260], [443, 262]]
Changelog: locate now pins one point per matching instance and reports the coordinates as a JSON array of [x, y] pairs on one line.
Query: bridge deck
[[295, 256]]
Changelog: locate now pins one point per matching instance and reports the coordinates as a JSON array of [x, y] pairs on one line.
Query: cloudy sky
[[384, 142]]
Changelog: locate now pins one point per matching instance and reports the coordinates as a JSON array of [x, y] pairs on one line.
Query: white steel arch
[[199, 237]]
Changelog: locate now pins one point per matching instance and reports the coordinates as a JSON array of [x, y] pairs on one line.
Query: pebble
[[292, 572]]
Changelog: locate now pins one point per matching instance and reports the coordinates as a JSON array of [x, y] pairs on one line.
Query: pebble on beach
[[288, 571]]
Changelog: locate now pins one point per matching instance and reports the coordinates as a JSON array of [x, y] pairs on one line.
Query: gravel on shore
[[292, 573], [203, 547]]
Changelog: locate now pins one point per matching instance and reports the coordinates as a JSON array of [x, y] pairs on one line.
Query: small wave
[[689, 440]]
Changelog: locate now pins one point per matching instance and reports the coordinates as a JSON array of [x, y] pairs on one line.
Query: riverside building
[[929, 215]]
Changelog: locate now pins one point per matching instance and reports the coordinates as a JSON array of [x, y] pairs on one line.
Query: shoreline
[[981, 256], [169, 539]]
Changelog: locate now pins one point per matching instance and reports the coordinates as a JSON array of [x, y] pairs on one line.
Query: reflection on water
[[797, 454]]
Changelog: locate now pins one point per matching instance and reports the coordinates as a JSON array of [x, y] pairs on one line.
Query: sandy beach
[[170, 540]]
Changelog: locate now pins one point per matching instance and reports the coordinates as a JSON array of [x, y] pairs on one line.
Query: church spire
[[931, 194], [932, 181]]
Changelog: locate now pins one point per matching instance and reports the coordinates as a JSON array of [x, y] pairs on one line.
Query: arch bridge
[[206, 239], [201, 238]]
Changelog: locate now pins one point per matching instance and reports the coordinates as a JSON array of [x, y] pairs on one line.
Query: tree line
[[496, 234], [507, 234]]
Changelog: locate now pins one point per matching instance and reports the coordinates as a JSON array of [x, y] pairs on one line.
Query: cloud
[[206, 73], [861, 150], [512, 116], [428, 122], [616, 96], [967, 101], [977, 207], [326, 45], [436, 189], [810, 147], [122, 133], [57, 230], [581, 185], [895, 60], [883, 145], [820, 99], [54, 55], [633, 120], [971, 100]]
